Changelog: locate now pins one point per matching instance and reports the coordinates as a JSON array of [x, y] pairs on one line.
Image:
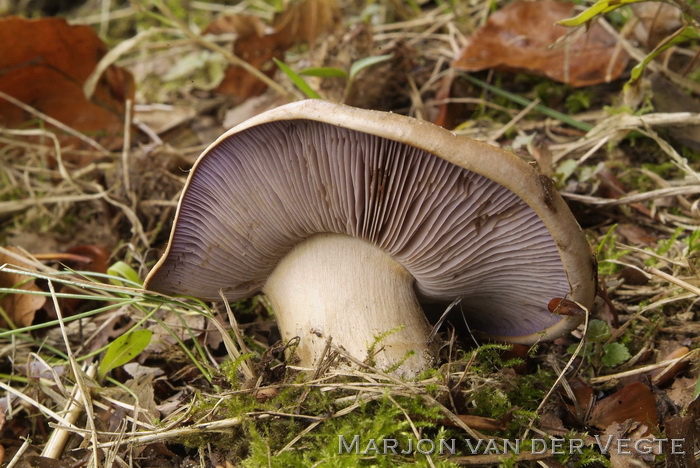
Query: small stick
[[674, 280], [58, 440], [640, 370], [59, 437]]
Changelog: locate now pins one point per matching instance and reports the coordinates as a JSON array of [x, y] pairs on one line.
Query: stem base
[[341, 287]]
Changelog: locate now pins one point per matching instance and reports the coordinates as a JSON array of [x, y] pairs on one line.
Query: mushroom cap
[[463, 217]]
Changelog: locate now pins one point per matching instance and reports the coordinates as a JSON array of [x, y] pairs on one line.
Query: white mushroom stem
[[341, 287]]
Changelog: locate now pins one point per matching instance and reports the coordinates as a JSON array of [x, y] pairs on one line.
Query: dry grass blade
[[672, 279], [54, 122], [236, 351], [636, 198], [613, 126], [172, 434]]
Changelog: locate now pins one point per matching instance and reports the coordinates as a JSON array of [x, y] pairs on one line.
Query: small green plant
[[599, 353], [123, 349], [608, 253], [686, 33], [376, 345], [578, 101], [663, 247], [693, 243], [122, 270], [330, 72], [298, 80]]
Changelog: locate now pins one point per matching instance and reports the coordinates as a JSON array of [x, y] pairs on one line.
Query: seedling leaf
[[298, 81], [121, 269], [324, 72], [688, 33], [598, 331], [598, 8], [124, 349], [614, 354], [366, 62]]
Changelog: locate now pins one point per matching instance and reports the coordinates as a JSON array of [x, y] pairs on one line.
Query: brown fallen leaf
[[80, 257], [83, 257], [578, 407], [253, 44], [628, 445], [665, 375], [257, 43], [561, 306], [518, 38], [681, 390], [45, 63], [684, 430], [635, 234], [479, 423], [634, 401], [94, 258], [37, 461], [18, 308]]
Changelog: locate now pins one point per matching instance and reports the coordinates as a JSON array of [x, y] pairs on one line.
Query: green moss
[[578, 101], [491, 402], [303, 423], [531, 388], [357, 439], [666, 170]]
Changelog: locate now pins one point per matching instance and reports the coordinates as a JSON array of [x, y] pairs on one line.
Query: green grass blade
[[366, 62], [298, 81], [526, 102]]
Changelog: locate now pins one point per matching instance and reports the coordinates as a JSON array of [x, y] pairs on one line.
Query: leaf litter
[[524, 36], [45, 64], [218, 389]]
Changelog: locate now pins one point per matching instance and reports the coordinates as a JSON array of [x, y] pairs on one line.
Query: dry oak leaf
[[19, 308], [45, 62], [518, 38]]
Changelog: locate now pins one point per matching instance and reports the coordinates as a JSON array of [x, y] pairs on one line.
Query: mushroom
[[348, 219]]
